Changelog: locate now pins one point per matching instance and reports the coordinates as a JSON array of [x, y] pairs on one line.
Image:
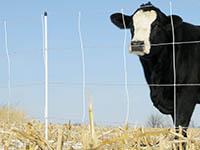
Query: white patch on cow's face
[[142, 27]]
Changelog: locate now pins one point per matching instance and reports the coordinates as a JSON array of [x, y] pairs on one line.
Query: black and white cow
[[149, 26]]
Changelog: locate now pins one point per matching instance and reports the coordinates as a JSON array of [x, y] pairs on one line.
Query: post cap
[[45, 13]]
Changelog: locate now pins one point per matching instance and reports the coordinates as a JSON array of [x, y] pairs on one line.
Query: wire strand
[[83, 67], [70, 49], [9, 68], [125, 71], [100, 84], [174, 61]]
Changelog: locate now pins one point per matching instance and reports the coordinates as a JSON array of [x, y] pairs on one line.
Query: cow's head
[[148, 25]]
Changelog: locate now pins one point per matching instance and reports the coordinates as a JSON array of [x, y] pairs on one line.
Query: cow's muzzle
[[137, 47]]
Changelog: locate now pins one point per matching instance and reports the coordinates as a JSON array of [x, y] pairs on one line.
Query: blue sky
[[103, 44]]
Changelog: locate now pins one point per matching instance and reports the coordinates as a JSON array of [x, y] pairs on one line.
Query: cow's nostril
[[137, 46], [137, 43]]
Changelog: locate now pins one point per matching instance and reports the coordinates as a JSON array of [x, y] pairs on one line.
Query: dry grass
[[12, 115], [30, 136]]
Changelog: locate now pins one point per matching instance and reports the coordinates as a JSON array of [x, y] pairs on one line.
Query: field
[[23, 134], [31, 136]]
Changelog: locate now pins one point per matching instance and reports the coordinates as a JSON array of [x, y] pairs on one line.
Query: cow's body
[[158, 63], [159, 70]]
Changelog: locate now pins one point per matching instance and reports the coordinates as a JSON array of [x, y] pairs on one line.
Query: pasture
[[59, 66], [26, 134]]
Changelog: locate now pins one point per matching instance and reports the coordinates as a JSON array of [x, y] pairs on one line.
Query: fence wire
[[9, 68], [125, 71], [83, 68], [174, 61]]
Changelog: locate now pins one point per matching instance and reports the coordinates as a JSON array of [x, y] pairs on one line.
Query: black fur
[[158, 65]]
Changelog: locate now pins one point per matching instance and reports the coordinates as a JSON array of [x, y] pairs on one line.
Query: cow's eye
[[156, 25], [132, 30]]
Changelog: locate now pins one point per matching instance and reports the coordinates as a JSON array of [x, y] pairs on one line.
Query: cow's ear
[[177, 21], [117, 19]]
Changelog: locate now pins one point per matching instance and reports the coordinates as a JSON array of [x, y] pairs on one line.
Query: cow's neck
[[159, 70], [148, 65], [154, 66]]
